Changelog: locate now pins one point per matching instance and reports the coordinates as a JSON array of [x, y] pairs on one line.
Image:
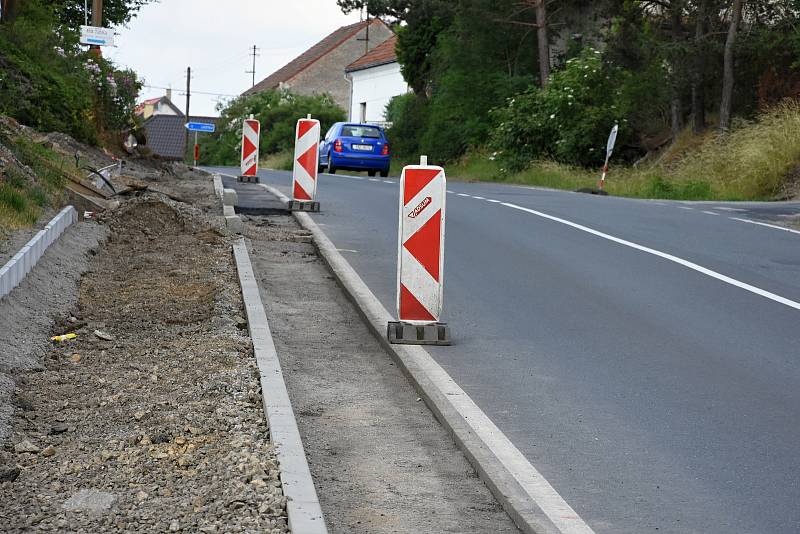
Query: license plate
[[366, 148]]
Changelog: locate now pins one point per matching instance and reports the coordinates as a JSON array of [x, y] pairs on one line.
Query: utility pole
[[97, 20], [188, 99], [366, 37], [255, 54]]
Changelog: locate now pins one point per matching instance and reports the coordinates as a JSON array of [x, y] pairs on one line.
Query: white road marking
[[347, 250], [680, 261], [388, 182], [765, 224], [725, 208], [374, 180], [462, 195], [710, 213], [478, 198], [450, 191], [493, 201], [685, 208]]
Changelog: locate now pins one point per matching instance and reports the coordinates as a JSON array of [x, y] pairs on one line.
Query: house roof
[[166, 136], [382, 54], [310, 56], [152, 101]]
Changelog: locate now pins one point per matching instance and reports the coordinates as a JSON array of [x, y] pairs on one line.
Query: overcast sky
[[214, 37]]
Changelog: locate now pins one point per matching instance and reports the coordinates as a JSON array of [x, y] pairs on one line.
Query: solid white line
[[765, 224], [664, 255], [710, 213], [493, 201]]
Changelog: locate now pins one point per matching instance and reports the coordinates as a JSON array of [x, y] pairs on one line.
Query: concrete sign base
[[300, 205], [412, 334]]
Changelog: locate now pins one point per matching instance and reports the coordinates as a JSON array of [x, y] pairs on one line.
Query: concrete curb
[[14, 271], [524, 493], [228, 199], [303, 508]]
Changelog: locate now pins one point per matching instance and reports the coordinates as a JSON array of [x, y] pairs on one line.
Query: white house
[[375, 78]]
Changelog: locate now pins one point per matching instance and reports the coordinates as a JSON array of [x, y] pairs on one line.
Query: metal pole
[[85, 12], [254, 65], [188, 98], [195, 149]]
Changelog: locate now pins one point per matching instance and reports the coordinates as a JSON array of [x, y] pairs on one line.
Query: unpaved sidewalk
[[159, 426], [380, 461]]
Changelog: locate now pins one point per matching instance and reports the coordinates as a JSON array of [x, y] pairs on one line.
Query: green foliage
[[569, 120], [278, 112], [115, 12], [408, 115], [49, 83]]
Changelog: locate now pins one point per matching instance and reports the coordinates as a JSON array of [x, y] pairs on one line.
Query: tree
[[698, 74], [71, 12], [726, 104]]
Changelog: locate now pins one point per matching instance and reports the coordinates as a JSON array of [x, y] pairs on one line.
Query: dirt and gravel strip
[[151, 419], [381, 462]]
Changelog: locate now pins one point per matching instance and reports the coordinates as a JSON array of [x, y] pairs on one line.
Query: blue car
[[355, 147]]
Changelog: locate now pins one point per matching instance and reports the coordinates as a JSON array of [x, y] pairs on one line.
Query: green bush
[[278, 112], [408, 114], [567, 121]]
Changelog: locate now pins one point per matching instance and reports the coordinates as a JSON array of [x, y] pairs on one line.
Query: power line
[[193, 92]]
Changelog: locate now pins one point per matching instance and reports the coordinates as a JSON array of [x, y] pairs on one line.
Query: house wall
[[164, 109], [375, 87], [326, 75]]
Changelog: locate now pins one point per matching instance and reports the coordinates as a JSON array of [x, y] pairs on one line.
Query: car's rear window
[[361, 131]]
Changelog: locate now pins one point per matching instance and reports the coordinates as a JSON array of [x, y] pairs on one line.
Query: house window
[[363, 106]]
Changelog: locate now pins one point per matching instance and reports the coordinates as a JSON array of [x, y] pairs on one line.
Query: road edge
[[524, 493], [302, 507]]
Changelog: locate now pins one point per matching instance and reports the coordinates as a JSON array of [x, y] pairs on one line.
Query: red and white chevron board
[[306, 160], [251, 132], [421, 244]]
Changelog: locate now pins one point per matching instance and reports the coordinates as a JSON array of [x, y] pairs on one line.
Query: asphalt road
[[650, 370]]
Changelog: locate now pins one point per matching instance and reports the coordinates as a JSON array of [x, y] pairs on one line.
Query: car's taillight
[[385, 150], [337, 146]]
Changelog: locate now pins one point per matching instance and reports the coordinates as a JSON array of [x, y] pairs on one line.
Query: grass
[[280, 161], [22, 199], [752, 162]]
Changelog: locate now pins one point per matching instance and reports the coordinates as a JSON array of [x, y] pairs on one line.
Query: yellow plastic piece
[[65, 337]]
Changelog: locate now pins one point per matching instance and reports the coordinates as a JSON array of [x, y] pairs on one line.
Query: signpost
[[96, 36], [198, 127], [251, 135], [612, 140], [306, 166]]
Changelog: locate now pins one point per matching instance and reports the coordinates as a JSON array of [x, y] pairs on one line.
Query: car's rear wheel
[[371, 173], [384, 174], [330, 168]]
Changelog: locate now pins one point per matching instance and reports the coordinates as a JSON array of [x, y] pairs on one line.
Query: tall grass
[[752, 162]]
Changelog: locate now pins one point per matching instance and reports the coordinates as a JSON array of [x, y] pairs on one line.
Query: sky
[[216, 38]]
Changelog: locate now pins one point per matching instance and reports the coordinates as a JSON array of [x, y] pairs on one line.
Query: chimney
[[169, 94]]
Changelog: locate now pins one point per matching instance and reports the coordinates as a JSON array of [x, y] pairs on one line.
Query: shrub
[[567, 121], [278, 112]]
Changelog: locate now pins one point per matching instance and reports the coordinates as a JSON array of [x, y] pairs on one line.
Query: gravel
[[156, 423]]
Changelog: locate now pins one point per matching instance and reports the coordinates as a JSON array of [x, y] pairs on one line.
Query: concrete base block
[[412, 334], [234, 223], [248, 179], [229, 197], [228, 211], [302, 205]]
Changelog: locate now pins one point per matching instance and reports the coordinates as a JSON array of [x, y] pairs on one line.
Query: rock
[[174, 526], [141, 496], [26, 446], [59, 428], [8, 473], [103, 335], [49, 451], [90, 500], [75, 358], [139, 415]]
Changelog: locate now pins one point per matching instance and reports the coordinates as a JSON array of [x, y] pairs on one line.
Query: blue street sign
[[200, 127]]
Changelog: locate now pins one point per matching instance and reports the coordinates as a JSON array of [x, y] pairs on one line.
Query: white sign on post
[[96, 36]]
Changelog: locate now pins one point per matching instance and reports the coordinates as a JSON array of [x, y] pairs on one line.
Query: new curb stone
[[13, 272], [303, 507]]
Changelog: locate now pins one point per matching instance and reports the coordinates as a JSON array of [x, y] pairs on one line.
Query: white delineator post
[[251, 133], [306, 160], [612, 140], [420, 246]]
